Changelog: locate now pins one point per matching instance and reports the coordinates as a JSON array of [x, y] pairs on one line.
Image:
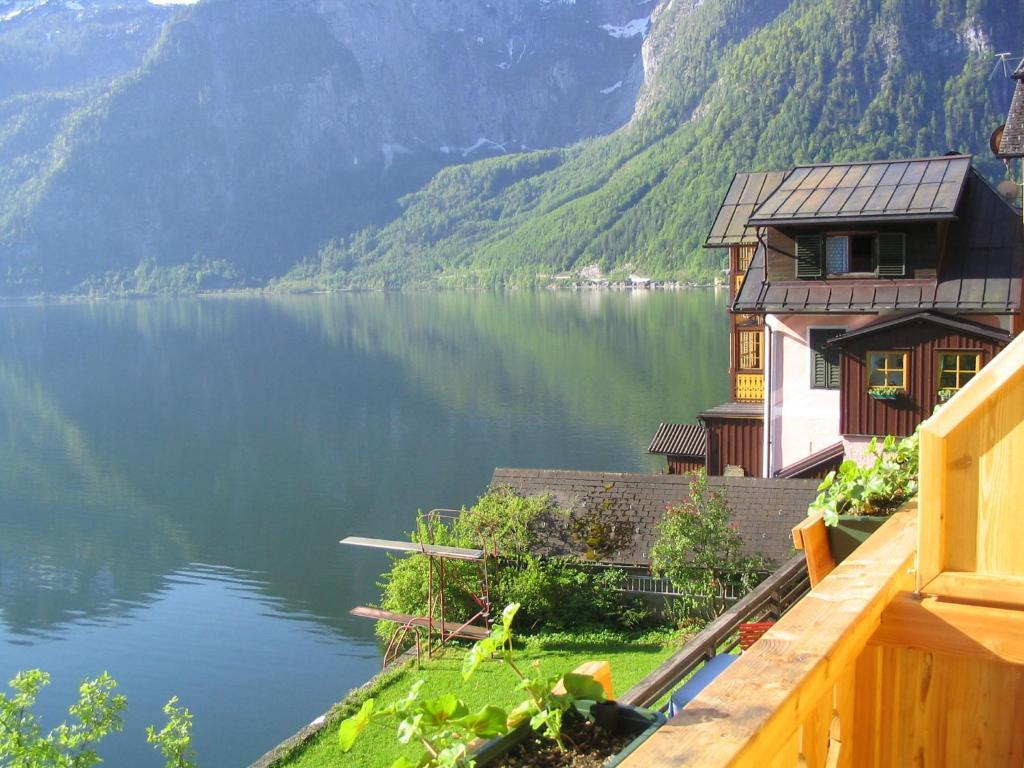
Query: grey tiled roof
[[747, 191], [1012, 143], [679, 440], [765, 511], [982, 271], [886, 190], [731, 410]]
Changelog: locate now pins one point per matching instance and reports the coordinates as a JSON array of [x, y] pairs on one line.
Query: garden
[[566, 610]]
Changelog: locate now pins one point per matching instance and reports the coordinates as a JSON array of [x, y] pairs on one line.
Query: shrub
[[877, 488], [554, 592], [97, 713], [701, 552]]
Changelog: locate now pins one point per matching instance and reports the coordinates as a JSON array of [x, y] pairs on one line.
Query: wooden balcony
[[911, 652], [749, 387]]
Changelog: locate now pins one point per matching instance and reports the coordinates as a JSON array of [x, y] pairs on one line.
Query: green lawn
[[631, 658]]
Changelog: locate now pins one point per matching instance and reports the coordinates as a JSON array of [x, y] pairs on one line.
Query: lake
[[175, 474]]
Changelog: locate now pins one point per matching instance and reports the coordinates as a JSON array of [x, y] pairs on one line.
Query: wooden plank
[[995, 634], [756, 706], [450, 627], [980, 588], [810, 536], [705, 643], [932, 506], [452, 553]]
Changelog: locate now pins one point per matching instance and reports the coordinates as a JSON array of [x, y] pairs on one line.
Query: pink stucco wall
[[802, 419]]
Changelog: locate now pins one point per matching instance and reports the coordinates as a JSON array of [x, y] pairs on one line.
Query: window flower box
[[884, 393], [945, 393]]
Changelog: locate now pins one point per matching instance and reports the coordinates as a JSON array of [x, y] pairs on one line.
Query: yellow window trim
[[957, 371], [904, 368]]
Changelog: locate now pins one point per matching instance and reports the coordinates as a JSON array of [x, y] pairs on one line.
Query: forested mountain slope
[[313, 144], [256, 130], [732, 85]]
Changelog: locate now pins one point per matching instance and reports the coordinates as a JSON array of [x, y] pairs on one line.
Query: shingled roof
[[1012, 142], [679, 440], [747, 191], [765, 511], [982, 271], [885, 190]]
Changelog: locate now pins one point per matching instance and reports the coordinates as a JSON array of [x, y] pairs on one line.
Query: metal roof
[[679, 440], [814, 461], [967, 327], [1012, 142], [735, 411], [747, 191], [982, 271], [885, 190]]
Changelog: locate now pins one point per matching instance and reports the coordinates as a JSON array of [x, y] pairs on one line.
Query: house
[[683, 445], [855, 282]]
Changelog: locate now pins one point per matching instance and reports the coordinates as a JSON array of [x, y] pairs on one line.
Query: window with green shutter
[[824, 359], [809, 252], [892, 254]]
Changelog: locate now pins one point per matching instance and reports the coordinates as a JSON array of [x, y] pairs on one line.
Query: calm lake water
[[175, 475]]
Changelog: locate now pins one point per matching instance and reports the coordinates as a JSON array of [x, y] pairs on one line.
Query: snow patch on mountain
[[629, 29]]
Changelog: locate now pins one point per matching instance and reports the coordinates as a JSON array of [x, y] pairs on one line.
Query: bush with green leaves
[[554, 592], [885, 481], [699, 549], [97, 713]]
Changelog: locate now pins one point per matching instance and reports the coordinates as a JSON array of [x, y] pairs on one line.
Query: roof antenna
[[1002, 60]]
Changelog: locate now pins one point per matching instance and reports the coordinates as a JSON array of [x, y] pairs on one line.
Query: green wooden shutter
[[808, 256], [820, 371], [892, 249], [825, 365]]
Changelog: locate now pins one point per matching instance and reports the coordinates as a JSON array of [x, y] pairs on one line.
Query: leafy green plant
[[875, 488], [97, 713], [699, 549], [885, 392], [544, 708], [444, 727], [945, 393]]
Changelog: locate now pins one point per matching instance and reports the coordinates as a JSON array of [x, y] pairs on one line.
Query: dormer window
[[866, 254]]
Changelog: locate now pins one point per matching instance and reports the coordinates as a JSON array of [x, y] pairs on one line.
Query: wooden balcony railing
[[911, 652]]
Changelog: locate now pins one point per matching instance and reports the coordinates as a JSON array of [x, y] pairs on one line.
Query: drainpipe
[[769, 379]]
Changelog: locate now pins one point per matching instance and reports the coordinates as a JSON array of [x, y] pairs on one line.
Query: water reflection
[[139, 439]]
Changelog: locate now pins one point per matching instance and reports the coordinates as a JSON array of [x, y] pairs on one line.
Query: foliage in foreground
[[445, 727], [97, 713], [879, 487], [555, 593], [700, 551]]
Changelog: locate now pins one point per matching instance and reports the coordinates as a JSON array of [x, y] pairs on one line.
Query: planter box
[[851, 532], [883, 395], [639, 722]]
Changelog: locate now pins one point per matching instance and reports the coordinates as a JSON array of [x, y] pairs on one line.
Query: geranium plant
[[885, 392], [878, 487]]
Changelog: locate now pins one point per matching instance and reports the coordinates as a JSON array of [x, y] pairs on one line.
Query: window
[[751, 344], [845, 254], [744, 254], [882, 254], [957, 368], [887, 369], [824, 359]]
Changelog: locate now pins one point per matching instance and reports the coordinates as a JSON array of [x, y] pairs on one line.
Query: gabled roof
[[679, 440], [982, 271], [764, 511], [747, 191], [967, 327], [1012, 142], [886, 190]]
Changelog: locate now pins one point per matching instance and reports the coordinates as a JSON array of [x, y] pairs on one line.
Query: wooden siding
[[861, 415], [922, 254], [736, 442], [684, 465]]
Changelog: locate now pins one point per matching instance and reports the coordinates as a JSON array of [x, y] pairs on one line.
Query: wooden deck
[[451, 629], [909, 653]]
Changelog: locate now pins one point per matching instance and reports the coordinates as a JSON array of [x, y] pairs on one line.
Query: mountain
[[731, 85], [254, 131], [318, 144]]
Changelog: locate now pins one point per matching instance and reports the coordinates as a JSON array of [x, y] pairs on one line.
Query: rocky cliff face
[[252, 130]]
